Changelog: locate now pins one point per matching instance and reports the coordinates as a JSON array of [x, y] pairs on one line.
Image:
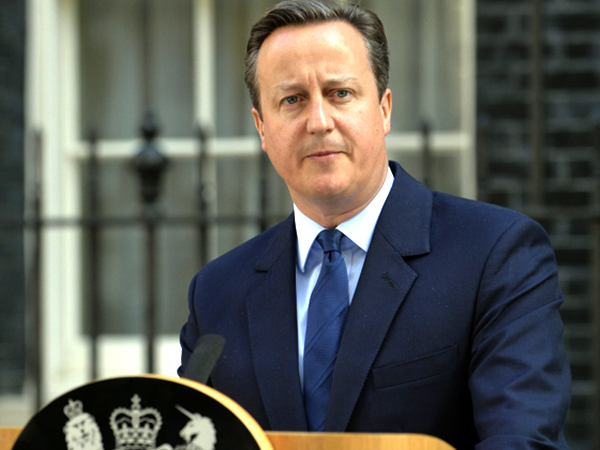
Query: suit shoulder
[[452, 205], [250, 253], [478, 218]]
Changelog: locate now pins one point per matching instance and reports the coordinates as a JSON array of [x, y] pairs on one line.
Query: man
[[452, 327]]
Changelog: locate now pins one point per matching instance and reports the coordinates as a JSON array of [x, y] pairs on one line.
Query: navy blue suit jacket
[[454, 329]]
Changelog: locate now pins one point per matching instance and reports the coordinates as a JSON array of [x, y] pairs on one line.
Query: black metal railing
[[94, 222]]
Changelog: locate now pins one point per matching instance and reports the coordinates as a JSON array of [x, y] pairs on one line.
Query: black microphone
[[204, 357]]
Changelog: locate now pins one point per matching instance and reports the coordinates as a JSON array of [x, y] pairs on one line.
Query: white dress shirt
[[358, 232]]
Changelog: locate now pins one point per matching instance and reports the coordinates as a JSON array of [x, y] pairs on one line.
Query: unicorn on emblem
[[199, 433]]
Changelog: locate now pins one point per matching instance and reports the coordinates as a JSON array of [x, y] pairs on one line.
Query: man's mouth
[[324, 155]]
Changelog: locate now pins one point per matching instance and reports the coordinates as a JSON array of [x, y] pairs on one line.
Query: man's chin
[[329, 192]]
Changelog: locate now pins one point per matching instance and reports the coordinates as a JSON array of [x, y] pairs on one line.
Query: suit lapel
[[403, 229], [271, 307]]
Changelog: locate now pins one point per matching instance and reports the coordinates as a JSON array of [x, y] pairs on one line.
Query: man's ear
[[386, 110], [260, 127]]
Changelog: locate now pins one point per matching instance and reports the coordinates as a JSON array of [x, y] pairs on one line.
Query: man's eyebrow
[[340, 81], [288, 86], [334, 81]]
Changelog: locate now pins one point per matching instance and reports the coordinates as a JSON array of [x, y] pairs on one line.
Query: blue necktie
[[327, 312]]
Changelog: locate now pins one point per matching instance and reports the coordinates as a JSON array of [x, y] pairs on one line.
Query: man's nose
[[319, 117]]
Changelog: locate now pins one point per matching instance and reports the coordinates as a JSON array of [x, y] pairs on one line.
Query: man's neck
[[331, 213]]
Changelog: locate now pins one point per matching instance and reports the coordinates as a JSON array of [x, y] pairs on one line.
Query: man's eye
[[342, 93], [291, 100]]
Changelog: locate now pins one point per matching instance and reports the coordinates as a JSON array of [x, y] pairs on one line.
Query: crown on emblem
[[135, 428], [73, 408]]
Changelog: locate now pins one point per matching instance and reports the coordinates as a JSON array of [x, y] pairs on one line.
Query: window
[[91, 68]]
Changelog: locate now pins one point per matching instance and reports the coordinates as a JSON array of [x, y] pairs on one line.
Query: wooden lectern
[[314, 441], [8, 436], [151, 411]]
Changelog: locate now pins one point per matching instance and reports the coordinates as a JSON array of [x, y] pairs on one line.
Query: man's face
[[322, 123]]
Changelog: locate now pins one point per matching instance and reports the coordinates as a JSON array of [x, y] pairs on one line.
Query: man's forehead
[[308, 42], [332, 32]]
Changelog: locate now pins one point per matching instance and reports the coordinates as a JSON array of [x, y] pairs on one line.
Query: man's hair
[[302, 12]]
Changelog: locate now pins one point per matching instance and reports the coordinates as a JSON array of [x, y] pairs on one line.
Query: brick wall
[[12, 297], [572, 110]]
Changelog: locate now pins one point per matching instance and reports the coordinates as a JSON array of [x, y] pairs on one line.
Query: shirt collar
[[359, 228]]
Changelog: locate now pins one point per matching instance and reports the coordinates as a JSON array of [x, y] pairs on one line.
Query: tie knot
[[330, 240]]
